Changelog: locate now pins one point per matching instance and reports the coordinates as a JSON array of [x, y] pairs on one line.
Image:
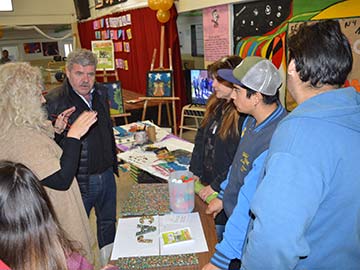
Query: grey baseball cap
[[256, 73]]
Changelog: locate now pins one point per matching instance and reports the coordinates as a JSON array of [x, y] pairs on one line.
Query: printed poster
[[104, 50], [216, 21]]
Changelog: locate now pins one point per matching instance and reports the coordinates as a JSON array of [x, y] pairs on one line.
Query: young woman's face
[[221, 90]]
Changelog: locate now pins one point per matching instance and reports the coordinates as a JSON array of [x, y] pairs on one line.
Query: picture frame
[[115, 97], [50, 48], [32, 47], [159, 83]]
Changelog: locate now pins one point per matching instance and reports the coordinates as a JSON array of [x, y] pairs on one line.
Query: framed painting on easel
[[115, 97], [159, 83]]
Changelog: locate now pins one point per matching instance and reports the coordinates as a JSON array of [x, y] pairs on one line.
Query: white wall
[[29, 12], [39, 13], [17, 53], [181, 5]]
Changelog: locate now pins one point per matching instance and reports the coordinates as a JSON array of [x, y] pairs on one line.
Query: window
[[197, 40], [13, 51], [6, 5], [67, 48]]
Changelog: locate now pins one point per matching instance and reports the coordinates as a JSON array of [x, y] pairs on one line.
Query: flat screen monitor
[[201, 86]]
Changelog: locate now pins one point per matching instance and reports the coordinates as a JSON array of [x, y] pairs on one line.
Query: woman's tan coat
[[36, 150]]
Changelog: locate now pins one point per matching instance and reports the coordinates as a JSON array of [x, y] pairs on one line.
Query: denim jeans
[[102, 195]]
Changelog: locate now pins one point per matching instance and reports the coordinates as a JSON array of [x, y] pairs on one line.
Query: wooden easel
[[105, 74], [162, 100]]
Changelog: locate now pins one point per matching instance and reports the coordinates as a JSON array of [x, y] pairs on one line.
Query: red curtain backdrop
[[145, 30]]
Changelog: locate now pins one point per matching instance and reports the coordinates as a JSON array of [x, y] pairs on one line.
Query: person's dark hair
[[30, 235], [322, 53], [230, 117]]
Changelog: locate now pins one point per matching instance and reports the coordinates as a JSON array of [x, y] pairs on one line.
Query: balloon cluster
[[162, 8]]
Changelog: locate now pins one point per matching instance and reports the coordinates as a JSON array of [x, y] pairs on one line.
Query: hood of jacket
[[340, 106]]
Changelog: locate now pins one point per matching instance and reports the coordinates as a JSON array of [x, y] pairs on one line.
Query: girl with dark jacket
[[218, 136]]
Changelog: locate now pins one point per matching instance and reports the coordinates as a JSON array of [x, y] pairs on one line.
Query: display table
[[133, 101], [149, 161], [136, 101], [170, 262], [125, 140], [141, 205]]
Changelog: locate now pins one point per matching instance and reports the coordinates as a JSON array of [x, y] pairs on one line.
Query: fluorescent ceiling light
[[6, 5]]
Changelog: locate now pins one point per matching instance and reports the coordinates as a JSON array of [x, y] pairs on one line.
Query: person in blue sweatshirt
[[306, 209], [256, 92]]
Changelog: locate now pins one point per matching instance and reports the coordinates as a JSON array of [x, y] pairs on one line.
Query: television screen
[[201, 86]]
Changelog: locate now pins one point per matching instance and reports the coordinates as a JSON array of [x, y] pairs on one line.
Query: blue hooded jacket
[[307, 206]]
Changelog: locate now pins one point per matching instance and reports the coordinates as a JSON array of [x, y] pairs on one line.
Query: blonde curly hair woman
[[26, 136]]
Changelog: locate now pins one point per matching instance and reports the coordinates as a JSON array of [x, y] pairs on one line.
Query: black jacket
[[211, 156], [98, 150]]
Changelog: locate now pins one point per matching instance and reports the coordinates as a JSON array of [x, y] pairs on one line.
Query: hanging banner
[[104, 50], [107, 3], [216, 32]]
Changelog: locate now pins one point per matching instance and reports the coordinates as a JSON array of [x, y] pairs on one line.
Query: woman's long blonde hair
[[230, 116], [20, 98]]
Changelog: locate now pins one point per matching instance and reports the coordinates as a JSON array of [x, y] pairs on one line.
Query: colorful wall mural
[[261, 29]]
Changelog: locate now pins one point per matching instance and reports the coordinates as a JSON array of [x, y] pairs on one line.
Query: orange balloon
[[154, 4], [163, 15], [165, 4]]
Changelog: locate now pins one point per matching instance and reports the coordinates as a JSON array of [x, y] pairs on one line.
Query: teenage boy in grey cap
[[256, 93]]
